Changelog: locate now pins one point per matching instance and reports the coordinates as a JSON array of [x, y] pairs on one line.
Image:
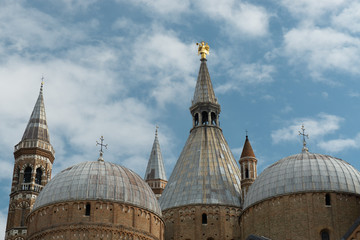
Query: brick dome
[[98, 180], [304, 172]]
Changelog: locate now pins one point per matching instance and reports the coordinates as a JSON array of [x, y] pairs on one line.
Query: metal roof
[[155, 168], [204, 91], [304, 172], [98, 180], [205, 173], [37, 126]]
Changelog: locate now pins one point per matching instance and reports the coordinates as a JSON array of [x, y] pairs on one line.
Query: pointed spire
[[247, 149], [155, 168], [204, 92], [37, 128]]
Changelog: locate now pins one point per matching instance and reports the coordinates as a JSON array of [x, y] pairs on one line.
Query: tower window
[[204, 219], [213, 118], [87, 209], [27, 175], [325, 234], [204, 117], [38, 176], [246, 173], [196, 119], [327, 199]]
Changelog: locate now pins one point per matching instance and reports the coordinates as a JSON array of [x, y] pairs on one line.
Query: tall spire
[[206, 176], [155, 172], [37, 128], [34, 156]]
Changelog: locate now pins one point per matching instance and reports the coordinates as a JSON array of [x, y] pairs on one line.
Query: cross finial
[[203, 49], [101, 148], [304, 149]]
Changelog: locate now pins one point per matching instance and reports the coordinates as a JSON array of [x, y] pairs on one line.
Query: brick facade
[[94, 220], [187, 223], [301, 216]]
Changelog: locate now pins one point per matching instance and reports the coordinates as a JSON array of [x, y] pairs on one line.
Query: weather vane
[[101, 144], [203, 49], [304, 149]]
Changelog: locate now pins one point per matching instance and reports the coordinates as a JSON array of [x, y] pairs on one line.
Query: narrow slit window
[[204, 219], [325, 234], [246, 173], [327, 199], [87, 209]]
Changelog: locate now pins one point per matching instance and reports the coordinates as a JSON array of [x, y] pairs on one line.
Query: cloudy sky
[[119, 68]]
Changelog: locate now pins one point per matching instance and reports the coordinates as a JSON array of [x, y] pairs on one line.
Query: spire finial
[[101, 148], [203, 49], [304, 149], [246, 131], [42, 83], [156, 130]]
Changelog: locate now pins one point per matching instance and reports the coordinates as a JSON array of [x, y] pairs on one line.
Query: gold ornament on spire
[[203, 49]]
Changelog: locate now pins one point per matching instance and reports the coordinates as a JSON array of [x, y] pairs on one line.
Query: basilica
[[209, 195]]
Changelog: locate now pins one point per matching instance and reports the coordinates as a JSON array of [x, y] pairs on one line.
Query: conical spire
[[247, 149], [204, 92], [155, 168], [206, 172], [37, 128]]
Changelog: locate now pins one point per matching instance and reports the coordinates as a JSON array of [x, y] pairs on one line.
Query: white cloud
[[239, 17], [28, 28], [309, 9], [316, 127], [349, 18], [247, 75], [323, 49], [338, 145]]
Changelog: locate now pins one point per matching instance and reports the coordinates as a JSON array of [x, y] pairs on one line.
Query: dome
[[98, 181], [304, 172]]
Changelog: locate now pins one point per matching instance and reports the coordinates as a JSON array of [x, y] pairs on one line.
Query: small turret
[[248, 164], [155, 172]]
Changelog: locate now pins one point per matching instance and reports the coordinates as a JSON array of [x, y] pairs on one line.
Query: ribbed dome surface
[[98, 181], [305, 172]]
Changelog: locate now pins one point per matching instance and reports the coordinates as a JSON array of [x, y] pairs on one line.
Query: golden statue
[[203, 49]]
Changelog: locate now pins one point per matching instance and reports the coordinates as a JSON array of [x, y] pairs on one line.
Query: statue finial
[[203, 49], [304, 149]]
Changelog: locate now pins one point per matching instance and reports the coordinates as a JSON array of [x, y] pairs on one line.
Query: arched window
[[204, 117], [327, 199], [38, 176], [87, 209], [27, 175], [196, 119], [325, 234], [246, 173], [213, 118], [204, 219]]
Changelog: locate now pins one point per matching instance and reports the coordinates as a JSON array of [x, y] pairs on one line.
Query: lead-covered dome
[[304, 172], [98, 181]]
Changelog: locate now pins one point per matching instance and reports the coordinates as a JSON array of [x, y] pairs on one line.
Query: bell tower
[[248, 165], [34, 156]]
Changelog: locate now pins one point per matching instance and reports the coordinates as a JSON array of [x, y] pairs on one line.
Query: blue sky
[[119, 68]]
